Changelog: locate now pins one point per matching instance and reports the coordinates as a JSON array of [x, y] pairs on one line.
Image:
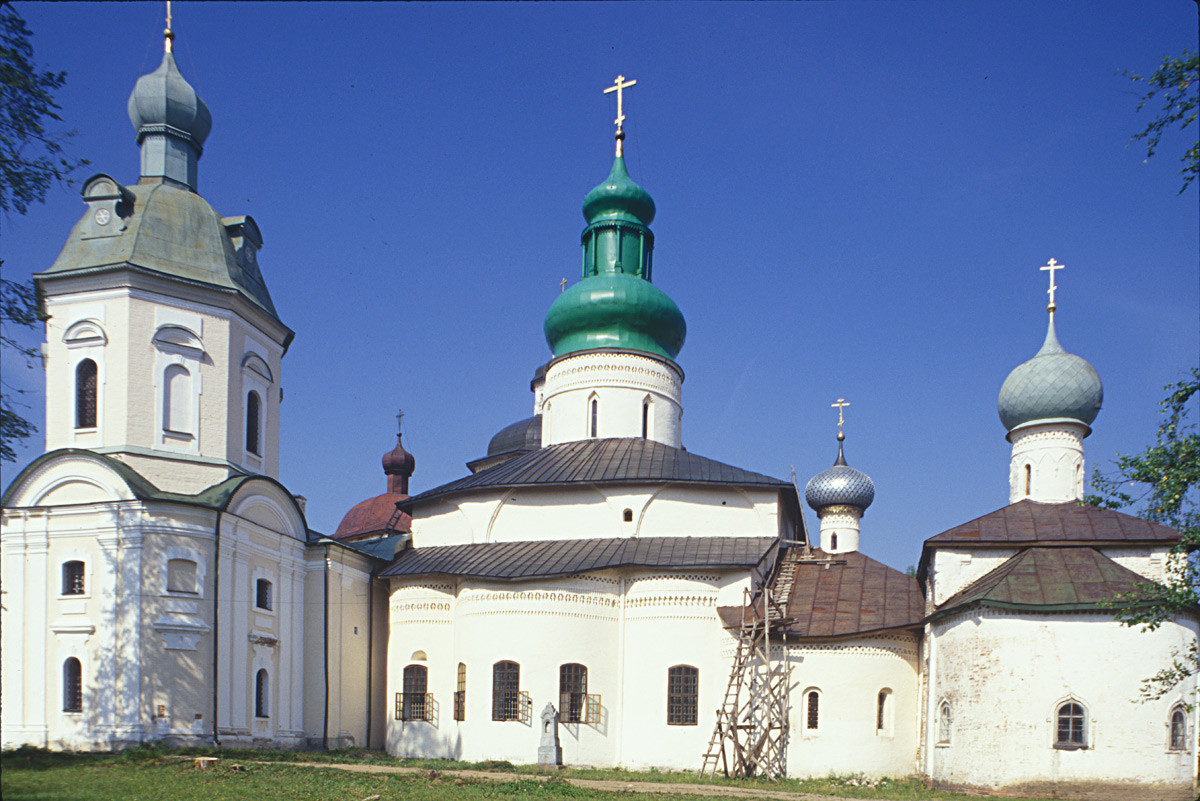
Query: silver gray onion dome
[[163, 102], [1053, 385], [840, 485]]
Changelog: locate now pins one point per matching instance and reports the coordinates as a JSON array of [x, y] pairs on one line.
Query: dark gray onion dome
[[163, 102], [1053, 385], [840, 485], [523, 435]]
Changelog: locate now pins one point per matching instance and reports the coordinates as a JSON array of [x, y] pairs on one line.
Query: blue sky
[[853, 201]]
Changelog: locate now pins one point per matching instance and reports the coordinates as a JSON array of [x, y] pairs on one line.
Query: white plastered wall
[[1047, 462]]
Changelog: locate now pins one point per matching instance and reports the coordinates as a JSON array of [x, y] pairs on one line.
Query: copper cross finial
[[840, 406], [1051, 267], [168, 34], [618, 86]]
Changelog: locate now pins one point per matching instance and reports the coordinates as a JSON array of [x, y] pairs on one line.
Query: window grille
[[85, 394], [72, 578], [526, 707], [253, 423], [416, 703], [1072, 726], [506, 691], [460, 694], [572, 692], [261, 690], [593, 709], [262, 594], [814, 711], [683, 695], [1178, 730], [72, 685]]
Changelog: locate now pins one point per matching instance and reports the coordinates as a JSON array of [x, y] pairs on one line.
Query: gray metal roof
[[601, 461], [512, 561]]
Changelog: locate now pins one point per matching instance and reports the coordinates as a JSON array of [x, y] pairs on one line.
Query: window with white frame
[[72, 685], [254, 423], [812, 711], [262, 690], [177, 400], [86, 383], [73, 580], [944, 720], [262, 594]]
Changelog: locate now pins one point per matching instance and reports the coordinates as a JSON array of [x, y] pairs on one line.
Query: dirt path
[[714, 791]]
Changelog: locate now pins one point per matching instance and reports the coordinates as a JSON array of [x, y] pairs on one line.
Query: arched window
[[181, 576], [646, 419], [262, 594], [416, 682], [833, 542], [1178, 729], [627, 515], [883, 712], [812, 718], [572, 692], [72, 685], [177, 399], [594, 427], [72, 578], [1028, 479], [262, 689], [506, 691], [683, 695], [460, 693], [944, 722], [253, 423], [1072, 726], [85, 394]]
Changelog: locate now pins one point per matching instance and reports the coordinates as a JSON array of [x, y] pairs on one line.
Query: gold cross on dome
[[168, 34], [1051, 267], [840, 406], [563, 284], [619, 85]]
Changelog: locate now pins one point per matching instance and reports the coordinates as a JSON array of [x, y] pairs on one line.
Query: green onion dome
[[1053, 385], [616, 305]]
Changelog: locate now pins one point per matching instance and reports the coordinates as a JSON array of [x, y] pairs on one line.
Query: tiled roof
[[835, 595], [513, 561], [1054, 523], [600, 461], [1049, 579]]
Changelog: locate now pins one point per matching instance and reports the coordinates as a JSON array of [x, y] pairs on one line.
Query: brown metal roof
[[835, 595], [1049, 579], [511, 561], [1054, 523], [371, 517], [603, 461]]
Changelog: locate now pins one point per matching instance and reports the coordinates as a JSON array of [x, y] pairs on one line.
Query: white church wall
[[848, 677], [1150, 562], [955, 568], [1004, 676]]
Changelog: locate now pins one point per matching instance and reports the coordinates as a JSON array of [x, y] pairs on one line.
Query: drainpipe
[[216, 685], [325, 727]]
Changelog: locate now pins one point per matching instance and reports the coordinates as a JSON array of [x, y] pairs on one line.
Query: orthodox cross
[[563, 284], [399, 421], [1051, 267], [618, 86], [840, 406], [168, 34]]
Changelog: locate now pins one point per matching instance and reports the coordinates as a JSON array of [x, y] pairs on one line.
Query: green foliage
[[1165, 479], [1176, 82], [31, 161]]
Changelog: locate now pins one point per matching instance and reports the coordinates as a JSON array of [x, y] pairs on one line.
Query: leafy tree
[[32, 160], [1165, 477], [1178, 81]]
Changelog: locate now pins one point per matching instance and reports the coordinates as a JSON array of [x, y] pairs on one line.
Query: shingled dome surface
[[1052, 385]]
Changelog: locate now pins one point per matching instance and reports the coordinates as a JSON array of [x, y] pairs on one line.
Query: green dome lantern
[[615, 305]]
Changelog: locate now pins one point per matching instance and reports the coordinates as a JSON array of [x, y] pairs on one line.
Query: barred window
[[262, 690], [1072, 726], [813, 721], [73, 578], [262, 594], [506, 691], [416, 683], [460, 693], [72, 685], [572, 692], [85, 394], [683, 695]]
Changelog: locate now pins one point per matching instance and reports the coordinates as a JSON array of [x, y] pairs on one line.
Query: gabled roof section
[[515, 561], [837, 595], [1030, 522], [601, 461], [1048, 580]]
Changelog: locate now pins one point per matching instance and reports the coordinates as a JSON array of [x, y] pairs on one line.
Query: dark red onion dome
[[371, 518]]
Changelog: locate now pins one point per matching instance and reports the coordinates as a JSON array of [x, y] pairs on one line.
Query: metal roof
[[1054, 523], [512, 561], [1049, 579], [601, 461]]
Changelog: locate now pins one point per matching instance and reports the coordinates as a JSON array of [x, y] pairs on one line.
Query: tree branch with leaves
[[1176, 83]]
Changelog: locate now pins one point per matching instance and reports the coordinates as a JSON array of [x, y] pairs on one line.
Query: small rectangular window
[[262, 594], [683, 695], [73, 578], [460, 693]]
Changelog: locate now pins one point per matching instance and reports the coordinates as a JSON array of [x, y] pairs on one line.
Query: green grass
[[149, 773]]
